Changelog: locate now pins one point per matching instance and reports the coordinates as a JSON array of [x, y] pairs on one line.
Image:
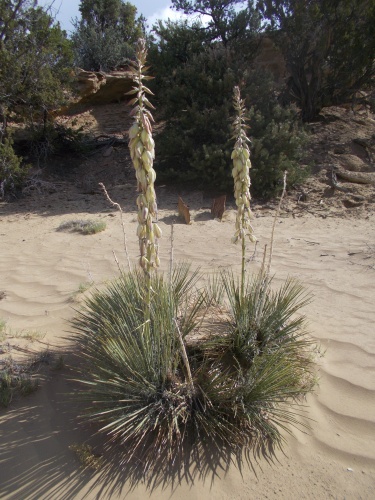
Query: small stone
[[349, 469]]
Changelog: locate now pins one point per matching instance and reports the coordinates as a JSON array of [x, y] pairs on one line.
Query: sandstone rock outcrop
[[104, 88]]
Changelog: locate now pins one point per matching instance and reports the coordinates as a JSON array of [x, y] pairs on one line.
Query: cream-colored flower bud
[[141, 231], [157, 231], [149, 222], [151, 176], [245, 153], [133, 142], [147, 160], [136, 163], [139, 149], [141, 200], [237, 164], [141, 176], [145, 137], [133, 131], [144, 213], [143, 262], [150, 194]]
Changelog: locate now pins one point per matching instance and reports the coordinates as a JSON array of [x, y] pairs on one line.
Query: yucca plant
[[265, 351], [137, 386], [264, 320], [139, 392]]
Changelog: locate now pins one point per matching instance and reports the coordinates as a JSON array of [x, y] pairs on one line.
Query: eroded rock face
[[89, 82], [104, 88]]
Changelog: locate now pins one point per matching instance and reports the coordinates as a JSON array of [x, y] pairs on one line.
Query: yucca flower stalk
[[241, 177], [142, 152]]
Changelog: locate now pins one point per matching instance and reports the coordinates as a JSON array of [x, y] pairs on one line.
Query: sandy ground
[[41, 271]]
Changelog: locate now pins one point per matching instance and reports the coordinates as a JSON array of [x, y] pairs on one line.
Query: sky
[[66, 10]]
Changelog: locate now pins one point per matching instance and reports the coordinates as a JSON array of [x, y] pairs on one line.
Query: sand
[[41, 271]]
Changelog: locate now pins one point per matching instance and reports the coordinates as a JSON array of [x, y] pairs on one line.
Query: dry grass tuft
[[83, 226]]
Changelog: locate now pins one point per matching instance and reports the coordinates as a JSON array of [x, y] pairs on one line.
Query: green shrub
[[263, 320], [141, 392], [194, 145], [53, 139], [137, 385], [12, 171]]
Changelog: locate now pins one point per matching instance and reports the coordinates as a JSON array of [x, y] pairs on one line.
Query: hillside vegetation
[[327, 48]]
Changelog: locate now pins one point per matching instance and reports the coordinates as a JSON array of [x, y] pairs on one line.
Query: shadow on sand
[[36, 460]]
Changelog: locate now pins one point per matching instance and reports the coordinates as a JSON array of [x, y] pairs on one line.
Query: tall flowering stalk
[[241, 176], [142, 152]]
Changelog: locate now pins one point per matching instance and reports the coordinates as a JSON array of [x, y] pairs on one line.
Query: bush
[[196, 104], [144, 395], [105, 34], [46, 140], [328, 48], [277, 145], [12, 171]]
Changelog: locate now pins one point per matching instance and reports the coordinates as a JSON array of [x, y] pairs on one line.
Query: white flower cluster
[[241, 172], [142, 152]]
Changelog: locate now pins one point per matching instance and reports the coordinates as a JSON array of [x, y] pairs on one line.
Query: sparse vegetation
[[32, 335], [84, 286], [15, 380], [83, 226], [86, 456], [2, 329], [7, 332], [18, 376], [12, 170]]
